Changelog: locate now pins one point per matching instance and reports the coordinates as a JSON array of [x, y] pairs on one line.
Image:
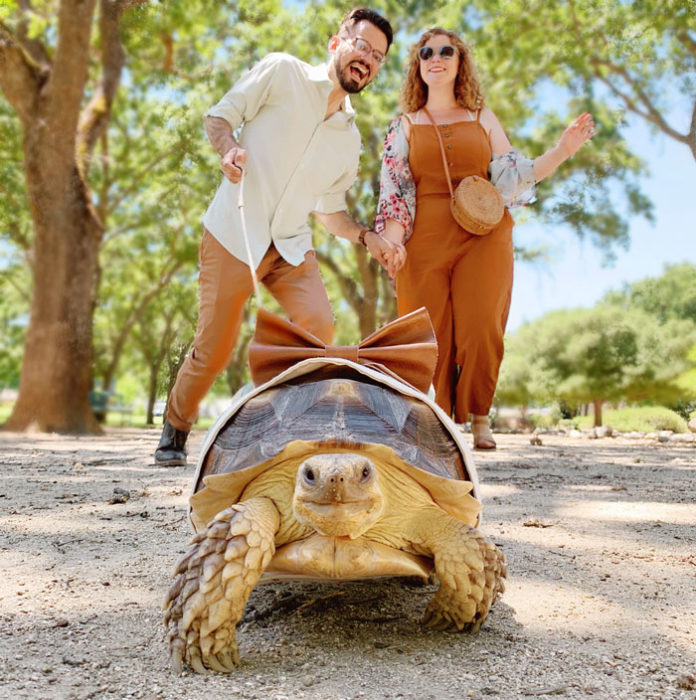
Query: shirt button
[[450, 163], [449, 146]]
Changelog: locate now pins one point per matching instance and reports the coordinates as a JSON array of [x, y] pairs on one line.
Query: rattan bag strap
[[442, 151]]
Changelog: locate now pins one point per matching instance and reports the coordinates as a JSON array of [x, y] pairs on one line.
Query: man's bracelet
[[362, 234]]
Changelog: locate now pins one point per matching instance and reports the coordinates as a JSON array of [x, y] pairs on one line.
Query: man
[[298, 152]]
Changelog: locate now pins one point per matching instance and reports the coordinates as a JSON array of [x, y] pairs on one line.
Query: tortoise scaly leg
[[213, 582], [470, 569]]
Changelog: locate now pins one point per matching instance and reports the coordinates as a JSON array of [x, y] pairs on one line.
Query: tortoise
[[330, 470]]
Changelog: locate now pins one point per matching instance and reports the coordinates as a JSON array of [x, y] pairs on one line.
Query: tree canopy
[[105, 170], [631, 347]]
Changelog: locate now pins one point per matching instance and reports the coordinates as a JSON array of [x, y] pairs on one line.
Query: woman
[[463, 280]]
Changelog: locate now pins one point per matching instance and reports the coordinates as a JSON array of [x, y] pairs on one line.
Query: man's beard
[[347, 82]]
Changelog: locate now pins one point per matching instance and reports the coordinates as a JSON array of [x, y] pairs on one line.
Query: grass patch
[[137, 420], [117, 420], [642, 419]]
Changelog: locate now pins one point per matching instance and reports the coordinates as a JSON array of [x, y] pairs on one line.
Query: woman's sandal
[[483, 437]]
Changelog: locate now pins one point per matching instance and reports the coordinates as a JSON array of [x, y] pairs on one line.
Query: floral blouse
[[512, 173]]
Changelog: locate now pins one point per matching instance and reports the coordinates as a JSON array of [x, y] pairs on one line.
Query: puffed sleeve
[[242, 102], [513, 175], [397, 190]]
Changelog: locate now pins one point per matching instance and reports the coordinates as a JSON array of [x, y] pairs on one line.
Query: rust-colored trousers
[[225, 285], [463, 280]]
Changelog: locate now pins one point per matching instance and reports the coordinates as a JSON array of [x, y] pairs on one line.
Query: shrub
[[643, 419], [541, 421]]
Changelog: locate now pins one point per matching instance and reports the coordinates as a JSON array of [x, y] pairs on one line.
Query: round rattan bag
[[477, 205]]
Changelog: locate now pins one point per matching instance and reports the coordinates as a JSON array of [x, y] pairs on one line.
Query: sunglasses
[[427, 52]]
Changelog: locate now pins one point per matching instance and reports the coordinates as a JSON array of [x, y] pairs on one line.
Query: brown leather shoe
[[171, 451]]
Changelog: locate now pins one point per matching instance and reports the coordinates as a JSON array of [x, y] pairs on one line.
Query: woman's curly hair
[[467, 91]]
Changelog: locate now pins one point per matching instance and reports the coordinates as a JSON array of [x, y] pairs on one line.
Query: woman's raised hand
[[580, 130]]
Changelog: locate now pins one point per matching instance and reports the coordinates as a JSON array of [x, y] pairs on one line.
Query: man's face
[[357, 55]]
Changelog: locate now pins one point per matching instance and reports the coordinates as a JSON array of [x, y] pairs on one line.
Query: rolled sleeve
[[335, 198], [243, 101]]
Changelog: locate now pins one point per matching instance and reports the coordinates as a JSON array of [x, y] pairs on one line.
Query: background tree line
[[636, 346], [105, 171]]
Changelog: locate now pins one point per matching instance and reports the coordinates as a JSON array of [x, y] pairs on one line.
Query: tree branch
[[687, 40], [95, 117], [32, 46], [347, 285], [136, 179], [692, 131], [65, 88], [20, 77], [136, 313], [650, 113]]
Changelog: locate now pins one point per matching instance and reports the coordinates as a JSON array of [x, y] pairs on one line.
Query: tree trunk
[[152, 393], [597, 405], [236, 371], [46, 86], [56, 371]]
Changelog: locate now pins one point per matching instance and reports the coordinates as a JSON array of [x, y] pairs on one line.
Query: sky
[[576, 276]]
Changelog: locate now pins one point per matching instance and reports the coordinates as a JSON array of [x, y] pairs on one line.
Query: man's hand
[[391, 256], [232, 163]]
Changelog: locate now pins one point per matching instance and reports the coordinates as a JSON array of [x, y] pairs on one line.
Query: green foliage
[[153, 173], [642, 419], [670, 296], [637, 345], [13, 322]]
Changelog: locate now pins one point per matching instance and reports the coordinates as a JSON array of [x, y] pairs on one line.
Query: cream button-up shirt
[[297, 161]]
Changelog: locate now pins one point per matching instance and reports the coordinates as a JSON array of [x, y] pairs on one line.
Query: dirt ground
[[599, 536]]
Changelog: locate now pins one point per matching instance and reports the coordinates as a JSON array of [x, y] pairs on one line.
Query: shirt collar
[[320, 74]]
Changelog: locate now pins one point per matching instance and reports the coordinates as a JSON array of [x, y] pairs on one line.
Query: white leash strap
[[250, 259]]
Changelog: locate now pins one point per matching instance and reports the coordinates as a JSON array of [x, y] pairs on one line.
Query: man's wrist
[[362, 234]]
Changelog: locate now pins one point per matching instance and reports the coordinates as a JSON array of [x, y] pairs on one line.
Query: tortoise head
[[338, 494]]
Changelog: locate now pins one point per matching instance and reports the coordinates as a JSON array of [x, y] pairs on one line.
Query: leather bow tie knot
[[343, 352], [405, 347]]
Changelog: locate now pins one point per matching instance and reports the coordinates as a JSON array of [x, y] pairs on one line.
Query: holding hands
[[391, 256]]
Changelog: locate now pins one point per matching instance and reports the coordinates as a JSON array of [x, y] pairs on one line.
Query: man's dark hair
[[357, 14]]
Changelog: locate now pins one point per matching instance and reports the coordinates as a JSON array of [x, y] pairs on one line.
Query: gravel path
[[599, 535]]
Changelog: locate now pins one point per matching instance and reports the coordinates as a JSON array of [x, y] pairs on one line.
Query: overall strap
[[442, 151]]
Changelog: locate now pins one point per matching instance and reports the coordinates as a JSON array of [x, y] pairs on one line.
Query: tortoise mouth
[[342, 519], [364, 505]]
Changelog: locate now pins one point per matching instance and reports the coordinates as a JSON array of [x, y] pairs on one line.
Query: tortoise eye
[[366, 472], [309, 474]]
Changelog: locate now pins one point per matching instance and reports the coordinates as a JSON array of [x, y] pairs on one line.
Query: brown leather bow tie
[[406, 347]]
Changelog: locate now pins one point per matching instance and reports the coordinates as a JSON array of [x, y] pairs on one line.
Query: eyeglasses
[[426, 52], [364, 47]]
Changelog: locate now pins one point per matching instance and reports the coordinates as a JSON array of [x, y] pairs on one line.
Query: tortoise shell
[[334, 404]]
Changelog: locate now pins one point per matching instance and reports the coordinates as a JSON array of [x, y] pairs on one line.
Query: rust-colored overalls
[[463, 280]]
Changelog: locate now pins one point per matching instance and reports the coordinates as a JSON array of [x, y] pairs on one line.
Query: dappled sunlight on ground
[[635, 511], [600, 602]]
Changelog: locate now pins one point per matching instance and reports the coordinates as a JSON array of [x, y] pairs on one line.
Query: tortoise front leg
[[470, 569], [213, 582]]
